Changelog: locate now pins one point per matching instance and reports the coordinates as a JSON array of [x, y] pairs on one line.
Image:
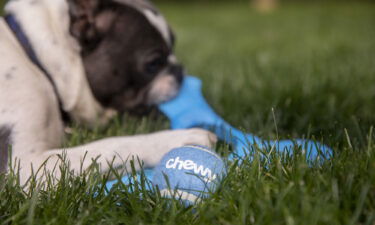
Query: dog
[[85, 60]]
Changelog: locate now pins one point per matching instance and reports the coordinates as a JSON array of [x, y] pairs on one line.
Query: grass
[[312, 63]]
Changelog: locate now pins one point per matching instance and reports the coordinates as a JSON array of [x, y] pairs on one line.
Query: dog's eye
[[155, 65]]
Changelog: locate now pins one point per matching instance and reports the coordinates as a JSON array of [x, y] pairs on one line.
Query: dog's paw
[[160, 143], [179, 138], [198, 136]]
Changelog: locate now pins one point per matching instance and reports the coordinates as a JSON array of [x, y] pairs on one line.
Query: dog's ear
[[89, 19], [82, 14]]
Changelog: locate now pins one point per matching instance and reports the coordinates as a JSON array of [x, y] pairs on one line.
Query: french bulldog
[[86, 60]]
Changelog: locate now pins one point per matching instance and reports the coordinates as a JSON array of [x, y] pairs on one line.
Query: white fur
[[46, 24], [29, 107], [172, 59], [163, 88], [160, 24]]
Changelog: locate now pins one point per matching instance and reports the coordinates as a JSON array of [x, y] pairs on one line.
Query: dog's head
[[127, 51]]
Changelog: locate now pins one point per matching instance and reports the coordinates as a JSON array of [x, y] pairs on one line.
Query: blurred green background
[[311, 62], [303, 67]]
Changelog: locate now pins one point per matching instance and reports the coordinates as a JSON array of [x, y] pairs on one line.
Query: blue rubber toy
[[190, 109], [128, 179]]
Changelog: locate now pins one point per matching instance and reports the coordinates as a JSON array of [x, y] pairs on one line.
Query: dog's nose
[[177, 71]]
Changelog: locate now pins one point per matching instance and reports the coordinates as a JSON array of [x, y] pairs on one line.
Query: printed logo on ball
[[176, 163]]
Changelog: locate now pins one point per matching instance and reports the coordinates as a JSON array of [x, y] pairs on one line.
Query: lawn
[[305, 70]]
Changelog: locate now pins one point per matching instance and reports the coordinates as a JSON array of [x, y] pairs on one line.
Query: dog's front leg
[[117, 151]]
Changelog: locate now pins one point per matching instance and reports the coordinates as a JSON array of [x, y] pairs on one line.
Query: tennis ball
[[189, 173]]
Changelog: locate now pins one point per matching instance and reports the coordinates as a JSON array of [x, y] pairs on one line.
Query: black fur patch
[[5, 142], [9, 74]]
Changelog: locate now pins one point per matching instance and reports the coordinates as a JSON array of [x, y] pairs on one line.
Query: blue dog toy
[[189, 173], [189, 109]]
